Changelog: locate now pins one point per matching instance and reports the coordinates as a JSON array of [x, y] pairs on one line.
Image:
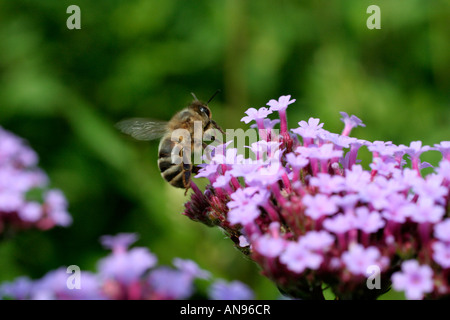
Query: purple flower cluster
[[126, 274], [25, 200], [311, 216]]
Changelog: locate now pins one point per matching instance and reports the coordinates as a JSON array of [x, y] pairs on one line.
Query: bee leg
[[187, 186], [217, 127], [187, 170]]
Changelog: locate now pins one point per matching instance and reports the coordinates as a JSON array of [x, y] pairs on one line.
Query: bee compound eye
[[205, 111]]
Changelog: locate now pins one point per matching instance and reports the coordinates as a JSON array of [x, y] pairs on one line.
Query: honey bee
[[177, 174]]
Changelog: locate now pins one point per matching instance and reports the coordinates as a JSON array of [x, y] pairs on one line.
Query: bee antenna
[[195, 97], [215, 93]]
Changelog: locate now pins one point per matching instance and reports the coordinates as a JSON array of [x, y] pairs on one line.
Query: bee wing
[[143, 128]]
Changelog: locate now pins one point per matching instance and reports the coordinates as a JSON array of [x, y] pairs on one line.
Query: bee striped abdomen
[[178, 175]]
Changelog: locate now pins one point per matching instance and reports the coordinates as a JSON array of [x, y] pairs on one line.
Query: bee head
[[201, 109]]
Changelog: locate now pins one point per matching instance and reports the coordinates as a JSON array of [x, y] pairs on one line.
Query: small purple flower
[[367, 221], [415, 149], [380, 147], [14, 150], [375, 195], [10, 200], [319, 205], [327, 183], [338, 140], [256, 115], [326, 152], [350, 123], [444, 148], [28, 157], [265, 175], [263, 147], [170, 284], [357, 259], [356, 178], [223, 181], [441, 254], [408, 177], [282, 103], [268, 123], [309, 130], [19, 289], [56, 199], [10, 145], [346, 202], [229, 157], [399, 210], [127, 267], [390, 185], [235, 290], [31, 211], [247, 167], [340, 223], [298, 258], [416, 280], [431, 187], [243, 241], [213, 149], [191, 268], [269, 246], [18, 176], [61, 218], [53, 286], [426, 211], [442, 230], [281, 106], [444, 170], [306, 151], [296, 161], [384, 168], [244, 206], [120, 242], [208, 171], [317, 240], [57, 207]]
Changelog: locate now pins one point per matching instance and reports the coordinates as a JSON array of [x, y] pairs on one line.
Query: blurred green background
[[63, 90]]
